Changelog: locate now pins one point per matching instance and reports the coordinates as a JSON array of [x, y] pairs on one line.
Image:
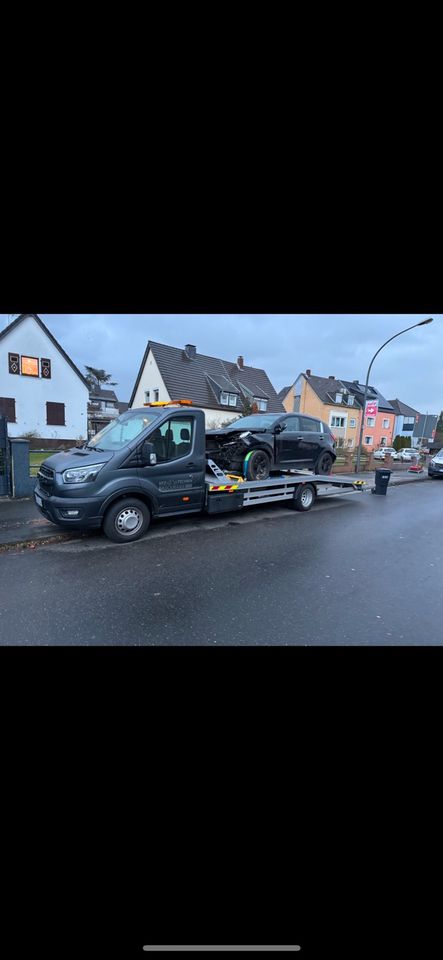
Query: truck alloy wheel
[[258, 465], [126, 520], [304, 497]]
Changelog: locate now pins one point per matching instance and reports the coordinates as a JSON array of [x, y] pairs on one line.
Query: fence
[[36, 457]]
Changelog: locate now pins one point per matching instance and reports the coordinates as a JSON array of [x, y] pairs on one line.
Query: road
[[357, 569]]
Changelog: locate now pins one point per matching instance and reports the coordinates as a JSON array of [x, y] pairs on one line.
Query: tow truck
[[151, 463]]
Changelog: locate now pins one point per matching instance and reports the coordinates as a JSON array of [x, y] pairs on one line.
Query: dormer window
[[228, 399], [338, 397], [261, 404], [351, 399]]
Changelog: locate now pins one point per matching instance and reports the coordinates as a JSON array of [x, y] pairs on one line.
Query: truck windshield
[[255, 422], [121, 431]]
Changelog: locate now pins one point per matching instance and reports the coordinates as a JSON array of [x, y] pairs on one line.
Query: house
[[41, 390], [339, 404], [331, 401], [405, 419], [219, 387], [102, 408], [424, 430], [286, 397]]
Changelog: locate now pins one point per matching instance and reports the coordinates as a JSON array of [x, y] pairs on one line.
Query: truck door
[[177, 480]]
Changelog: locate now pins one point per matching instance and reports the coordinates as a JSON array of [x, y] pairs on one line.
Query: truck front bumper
[[78, 514]]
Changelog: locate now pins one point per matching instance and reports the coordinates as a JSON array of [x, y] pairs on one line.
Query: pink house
[[378, 429]]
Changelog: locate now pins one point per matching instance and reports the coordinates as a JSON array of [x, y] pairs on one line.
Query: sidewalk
[[21, 523]]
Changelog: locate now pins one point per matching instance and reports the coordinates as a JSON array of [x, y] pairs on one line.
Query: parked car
[[435, 465], [257, 445], [384, 452], [408, 454]]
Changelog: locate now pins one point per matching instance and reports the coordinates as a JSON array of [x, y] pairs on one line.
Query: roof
[[24, 316], [402, 409], [283, 392], [202, 378], [358, 390], [122, 407], [99, 394], [428, 423], [327, 388]]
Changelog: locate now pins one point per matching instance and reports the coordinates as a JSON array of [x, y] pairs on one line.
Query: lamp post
[[421, 324]]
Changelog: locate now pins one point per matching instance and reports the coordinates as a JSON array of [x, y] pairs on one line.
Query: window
[[45, 367], [156, 392], [55, 414], [352, 422], [13, 363], [261, 404], [385, 424], [292, 424], [383, 441], [338, 397], [309, 425], [408, 424], [30, 366], [370, 421], [224, 397], [350, 443], [7, 408], [147, 396], [228, 399], [351, 400], [337, 421], [232, 400], [172, 440], [369, 441]]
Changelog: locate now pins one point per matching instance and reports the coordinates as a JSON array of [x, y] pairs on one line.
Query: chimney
[[190, 351], [240, 362], [331, 378], [308, 373]]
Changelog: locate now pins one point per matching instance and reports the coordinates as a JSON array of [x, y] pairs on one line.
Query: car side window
[[292, 424], [310, 426], [173, 440]]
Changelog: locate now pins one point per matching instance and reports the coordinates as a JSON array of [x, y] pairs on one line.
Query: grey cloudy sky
[[410, 368]]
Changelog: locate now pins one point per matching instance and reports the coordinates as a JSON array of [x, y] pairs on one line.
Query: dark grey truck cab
[[148, 463]]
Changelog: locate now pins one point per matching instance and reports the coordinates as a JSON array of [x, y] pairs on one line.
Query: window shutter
[[7, 408], [46, 369], [14, 363], [55, 414]]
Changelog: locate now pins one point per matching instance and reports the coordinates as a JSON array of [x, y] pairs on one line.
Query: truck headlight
[[82, 474]]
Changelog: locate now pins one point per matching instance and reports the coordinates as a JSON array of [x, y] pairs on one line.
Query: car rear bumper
[[57, 509]]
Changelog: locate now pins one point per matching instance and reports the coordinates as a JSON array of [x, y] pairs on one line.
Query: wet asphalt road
[[357, 569]]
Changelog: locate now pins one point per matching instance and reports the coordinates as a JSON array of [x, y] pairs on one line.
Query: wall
[[310, 403], [32, 393], [288, 401], [378, 431]]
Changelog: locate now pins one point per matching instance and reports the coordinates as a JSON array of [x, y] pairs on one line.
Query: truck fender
[[121, 494]]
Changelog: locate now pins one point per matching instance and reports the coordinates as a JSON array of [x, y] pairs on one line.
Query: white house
[[41, 389], [218, 387]]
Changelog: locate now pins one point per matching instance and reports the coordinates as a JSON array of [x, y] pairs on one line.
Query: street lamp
[[421, 324]]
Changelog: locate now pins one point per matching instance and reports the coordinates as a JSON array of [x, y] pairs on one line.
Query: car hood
[[72, 459], [232, 432], [438, 459]]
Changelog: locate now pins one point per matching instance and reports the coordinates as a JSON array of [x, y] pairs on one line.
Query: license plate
[[38, 500]]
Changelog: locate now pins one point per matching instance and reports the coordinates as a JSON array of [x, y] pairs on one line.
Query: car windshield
[[121, 431], [255, 422]]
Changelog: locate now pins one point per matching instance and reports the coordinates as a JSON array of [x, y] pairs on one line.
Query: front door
[[177, 480]]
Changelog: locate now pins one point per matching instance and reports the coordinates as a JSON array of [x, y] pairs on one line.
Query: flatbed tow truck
[[153, 462]]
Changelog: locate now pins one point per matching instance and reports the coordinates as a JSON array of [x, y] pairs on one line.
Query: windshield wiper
[[99, 449]]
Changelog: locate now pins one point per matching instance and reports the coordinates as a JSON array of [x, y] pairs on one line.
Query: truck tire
[[258, 466], [304, 497], [324, 464], [126, 520]]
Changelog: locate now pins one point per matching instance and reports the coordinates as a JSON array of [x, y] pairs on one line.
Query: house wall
[[288, 401], [379, 431], [32, 393]]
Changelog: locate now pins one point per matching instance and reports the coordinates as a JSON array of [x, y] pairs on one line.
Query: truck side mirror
[[148, 455]]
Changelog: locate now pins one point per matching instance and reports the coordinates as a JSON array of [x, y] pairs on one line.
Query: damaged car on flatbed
[[265, 443]]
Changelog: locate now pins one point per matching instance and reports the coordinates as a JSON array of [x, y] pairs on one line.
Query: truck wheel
[[304, 497], [126, 520], [258, 466], [324, 464]]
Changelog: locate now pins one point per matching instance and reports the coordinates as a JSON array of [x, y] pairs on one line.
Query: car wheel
[[304, 497], [126, 520], [324, 463], [258, 465]]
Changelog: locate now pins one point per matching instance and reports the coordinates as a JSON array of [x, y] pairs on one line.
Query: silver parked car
[[384, 452], [435, 466]]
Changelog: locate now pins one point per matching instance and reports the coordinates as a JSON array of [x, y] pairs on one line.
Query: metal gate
[[4, 459]]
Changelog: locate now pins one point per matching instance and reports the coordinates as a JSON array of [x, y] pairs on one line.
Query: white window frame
[[351, 399], [383, 441], [336, 416], [385, 424], [352, 423], [369, 441], [147, 396], [261, 404], [338, 397], [232, 399], [370, 421], [156, 396], [224, 398]]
